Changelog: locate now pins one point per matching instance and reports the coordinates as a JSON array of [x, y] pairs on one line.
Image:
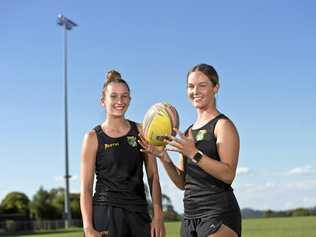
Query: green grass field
[[267, 227]]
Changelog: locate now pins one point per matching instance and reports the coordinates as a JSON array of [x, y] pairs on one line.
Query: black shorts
[[119, 222], [205, 226]]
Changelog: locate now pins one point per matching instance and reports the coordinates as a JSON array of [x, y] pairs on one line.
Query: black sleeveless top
[[119, 171], [204, 194]]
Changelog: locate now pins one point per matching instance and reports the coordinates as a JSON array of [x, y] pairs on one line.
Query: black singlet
[[119, 171], [204, 194]]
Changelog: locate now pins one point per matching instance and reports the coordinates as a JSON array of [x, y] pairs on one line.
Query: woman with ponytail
[[111, 153]]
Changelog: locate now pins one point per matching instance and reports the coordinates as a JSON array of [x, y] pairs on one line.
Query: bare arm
[[88, 158], [228, 150], [154, 184], [227, 146], [157, 227], [176, 174]]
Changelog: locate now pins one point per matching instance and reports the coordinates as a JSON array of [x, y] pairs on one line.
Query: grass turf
[[265, 227]]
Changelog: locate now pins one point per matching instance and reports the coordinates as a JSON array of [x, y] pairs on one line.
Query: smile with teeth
[[197, 97], [119, 107]]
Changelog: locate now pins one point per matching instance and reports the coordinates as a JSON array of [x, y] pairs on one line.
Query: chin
[[118, 114], [199, 106]]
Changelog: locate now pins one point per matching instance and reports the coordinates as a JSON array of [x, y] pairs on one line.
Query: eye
[[190, 86]]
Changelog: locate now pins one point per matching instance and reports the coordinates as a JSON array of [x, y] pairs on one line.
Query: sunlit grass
[[265, 227]]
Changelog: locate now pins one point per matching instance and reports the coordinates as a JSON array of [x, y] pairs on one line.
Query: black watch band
[[197, 157]]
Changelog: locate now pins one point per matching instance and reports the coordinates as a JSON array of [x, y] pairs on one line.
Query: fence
[[11, 226]]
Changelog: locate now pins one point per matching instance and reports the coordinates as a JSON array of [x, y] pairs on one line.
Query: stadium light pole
[[68, 25]]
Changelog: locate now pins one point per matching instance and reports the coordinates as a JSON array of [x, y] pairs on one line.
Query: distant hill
[[251, 213], [313, 210]]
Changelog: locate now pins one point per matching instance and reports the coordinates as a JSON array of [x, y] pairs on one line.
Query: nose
[[120, 99], [195, 90]]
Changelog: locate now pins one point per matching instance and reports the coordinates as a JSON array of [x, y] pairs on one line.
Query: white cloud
[[309, 201], [269, 185], [257, 187], [304, 170], [266, 189], [302, 185], [243, 171], [280, 194], [74, 178]]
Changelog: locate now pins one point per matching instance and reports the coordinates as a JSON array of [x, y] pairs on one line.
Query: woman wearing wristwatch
[[208, 160]]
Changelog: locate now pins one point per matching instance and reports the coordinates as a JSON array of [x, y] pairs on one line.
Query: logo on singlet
[[105, 233], [201, 135], [132, 141], [107, 146]]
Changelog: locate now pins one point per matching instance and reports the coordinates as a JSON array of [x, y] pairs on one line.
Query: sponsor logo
[[107, 146], [201, 135], [132, 141]]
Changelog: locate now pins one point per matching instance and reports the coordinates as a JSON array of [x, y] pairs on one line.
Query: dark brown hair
[[113, 76], [207, 70]]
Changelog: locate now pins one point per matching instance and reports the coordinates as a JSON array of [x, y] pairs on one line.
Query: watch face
[[197, 157]]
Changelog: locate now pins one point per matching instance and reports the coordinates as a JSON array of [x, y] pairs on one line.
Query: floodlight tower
[[68, 25]]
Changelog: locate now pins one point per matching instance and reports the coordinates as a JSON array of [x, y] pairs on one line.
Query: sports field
[[267, 227]]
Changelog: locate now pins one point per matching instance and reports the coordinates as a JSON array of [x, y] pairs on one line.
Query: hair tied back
[[113, 75]]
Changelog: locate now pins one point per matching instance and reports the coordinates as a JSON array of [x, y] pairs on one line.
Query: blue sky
[[264, 52]]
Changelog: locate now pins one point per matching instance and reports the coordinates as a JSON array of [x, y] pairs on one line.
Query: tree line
[[250, 213], [49, 205], [45, 205], [289, 213]]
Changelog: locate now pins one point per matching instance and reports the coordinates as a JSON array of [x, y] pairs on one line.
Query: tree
[[57, 196], [168, 211], [268, 213], [16, 203], [300, 212], [42, 207], [75, 205], [58, 201]]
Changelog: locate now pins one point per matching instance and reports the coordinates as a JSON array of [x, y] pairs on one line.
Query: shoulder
[[225, 125], [90, 137], [89, 147]]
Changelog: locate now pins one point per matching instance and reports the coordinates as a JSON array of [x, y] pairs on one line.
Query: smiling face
[[201, 90], [116, 99]]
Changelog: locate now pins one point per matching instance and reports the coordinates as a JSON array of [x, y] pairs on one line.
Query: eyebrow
[[115, 93], [200, 83]]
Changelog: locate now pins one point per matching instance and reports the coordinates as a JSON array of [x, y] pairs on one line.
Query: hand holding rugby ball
[[159, 122]]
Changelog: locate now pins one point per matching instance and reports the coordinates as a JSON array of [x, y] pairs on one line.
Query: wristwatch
[[197, 157]]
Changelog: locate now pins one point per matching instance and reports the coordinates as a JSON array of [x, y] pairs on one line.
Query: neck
[[114, 122], [205, 114]]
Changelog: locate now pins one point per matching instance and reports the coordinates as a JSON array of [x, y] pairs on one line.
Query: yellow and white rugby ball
[[159, 122]]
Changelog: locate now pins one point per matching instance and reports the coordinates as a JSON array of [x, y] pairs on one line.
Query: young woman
[[110, 151], [207, 167]]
